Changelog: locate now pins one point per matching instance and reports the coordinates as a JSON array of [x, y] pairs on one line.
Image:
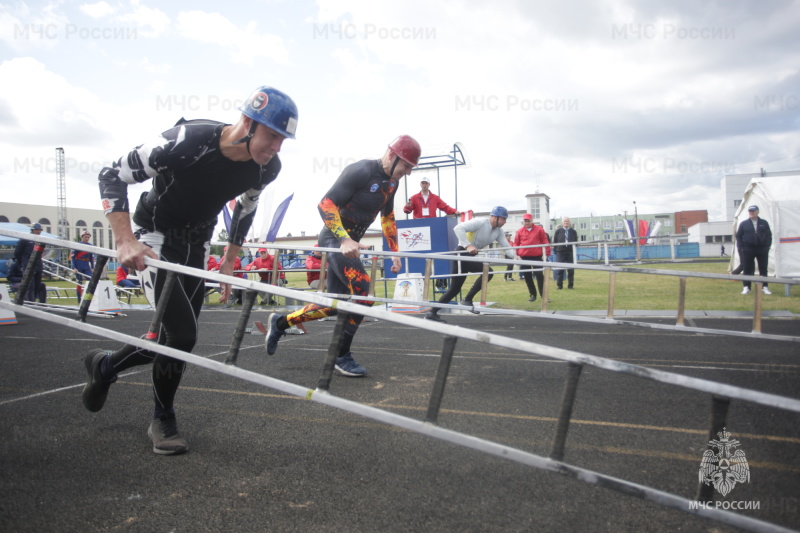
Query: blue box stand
[[424, 235]]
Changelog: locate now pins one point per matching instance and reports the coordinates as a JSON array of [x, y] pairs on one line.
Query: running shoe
[[347, 366], [166, 439], [746, 290], [96, 389], [430, 315], [274, 334], [766, 291]]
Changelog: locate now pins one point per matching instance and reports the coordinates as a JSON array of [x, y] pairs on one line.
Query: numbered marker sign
[[104, 298]]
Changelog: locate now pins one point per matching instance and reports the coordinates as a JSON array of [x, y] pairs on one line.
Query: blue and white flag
[[277, 218]]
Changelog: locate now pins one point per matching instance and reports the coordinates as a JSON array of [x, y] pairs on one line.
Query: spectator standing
[[531, 234], [754, 239], [425, 204], [564, 252], [23, 253]]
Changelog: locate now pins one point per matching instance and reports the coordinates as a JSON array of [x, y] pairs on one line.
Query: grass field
[[633, 291]]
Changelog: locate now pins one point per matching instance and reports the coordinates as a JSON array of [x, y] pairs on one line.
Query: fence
[[721, 395]]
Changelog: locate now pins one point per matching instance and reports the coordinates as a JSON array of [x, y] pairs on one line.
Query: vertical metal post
[[88, 294], [273, 277], [426, 283], [161, 306], [441, 378], [681, 300], [612, 282], [372, 272], [545, 288], [757, 308], [324, 382], [719, 416], [485, 283], [244, 319], [27, 276], [565, 414], [323, 269]]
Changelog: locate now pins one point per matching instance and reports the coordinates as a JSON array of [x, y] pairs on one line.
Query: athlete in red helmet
[[364, 189]]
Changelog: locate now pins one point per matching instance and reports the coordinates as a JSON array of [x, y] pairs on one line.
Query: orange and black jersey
[[361, 192]]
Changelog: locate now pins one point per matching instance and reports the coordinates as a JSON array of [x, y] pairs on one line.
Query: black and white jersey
[[192, 181]]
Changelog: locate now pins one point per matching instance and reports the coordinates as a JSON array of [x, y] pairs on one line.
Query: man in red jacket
[[313, 265], [424, 204], [527, 235], [263, 264]]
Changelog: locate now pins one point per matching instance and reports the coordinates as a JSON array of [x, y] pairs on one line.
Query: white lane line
[[53, 391], [133, 373]]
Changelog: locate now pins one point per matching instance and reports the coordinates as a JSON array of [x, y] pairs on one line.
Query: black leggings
[[456, 282], [179, 325]]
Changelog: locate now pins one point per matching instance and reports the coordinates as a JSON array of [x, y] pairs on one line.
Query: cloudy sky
[[594, 103]]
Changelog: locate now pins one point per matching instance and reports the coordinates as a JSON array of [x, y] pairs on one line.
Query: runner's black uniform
[[359, 195], [192, 181]]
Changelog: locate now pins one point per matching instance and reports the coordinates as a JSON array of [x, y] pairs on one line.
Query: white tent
[[5, 240], [778, 201]]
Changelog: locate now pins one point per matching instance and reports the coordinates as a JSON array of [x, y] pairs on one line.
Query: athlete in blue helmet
[[196, 167], [484, 231]]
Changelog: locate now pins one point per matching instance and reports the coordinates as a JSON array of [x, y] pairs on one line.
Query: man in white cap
[[424, 204], [753, 240]]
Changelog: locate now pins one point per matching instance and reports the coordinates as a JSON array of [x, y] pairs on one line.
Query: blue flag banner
[[629, 229], [277, 218]]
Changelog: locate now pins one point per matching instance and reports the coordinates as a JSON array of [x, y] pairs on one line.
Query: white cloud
[[151, 22], [97, 10], [245, 45]]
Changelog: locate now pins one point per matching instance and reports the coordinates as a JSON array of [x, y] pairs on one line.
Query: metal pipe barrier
[[612, 270], [428, 428], [722, 394]]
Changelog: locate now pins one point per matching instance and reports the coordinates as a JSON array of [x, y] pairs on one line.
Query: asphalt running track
[[264, 461]]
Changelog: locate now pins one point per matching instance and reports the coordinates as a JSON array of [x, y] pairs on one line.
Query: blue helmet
[[272, 108], [500, 211]]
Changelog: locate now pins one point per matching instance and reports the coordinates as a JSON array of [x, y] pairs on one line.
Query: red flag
[[466, 215], [644, 230]]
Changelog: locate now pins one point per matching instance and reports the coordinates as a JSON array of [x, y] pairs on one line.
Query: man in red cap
[[425, 204], [530, 234], [264, 264], [363, 190]]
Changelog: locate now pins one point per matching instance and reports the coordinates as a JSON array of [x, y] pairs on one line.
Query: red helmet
[[407, 149]]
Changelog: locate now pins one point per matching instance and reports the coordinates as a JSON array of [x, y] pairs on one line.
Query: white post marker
[[7, 316], [105, 297], [408, 287]]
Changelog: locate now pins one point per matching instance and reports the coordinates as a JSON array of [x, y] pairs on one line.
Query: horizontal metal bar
[[762, 398]]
